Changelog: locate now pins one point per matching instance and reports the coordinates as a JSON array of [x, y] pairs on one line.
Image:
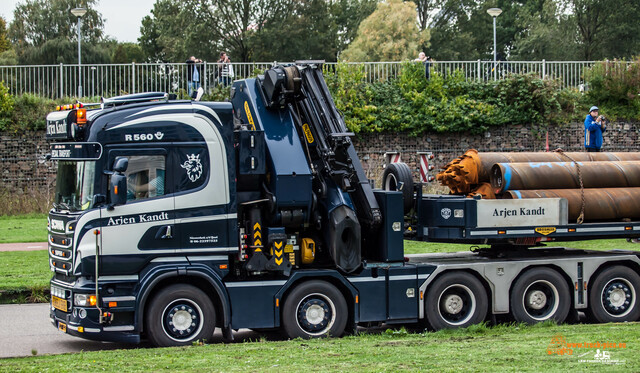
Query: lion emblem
[[193, 167]]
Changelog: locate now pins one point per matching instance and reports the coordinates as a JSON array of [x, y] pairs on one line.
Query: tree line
[[44, 31]]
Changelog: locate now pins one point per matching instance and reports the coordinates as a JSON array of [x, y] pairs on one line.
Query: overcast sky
[[122, 17]]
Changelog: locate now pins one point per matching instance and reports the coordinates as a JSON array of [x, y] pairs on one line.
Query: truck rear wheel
[[314, 309], [613, 295], [455, 300], [179, 315], [538, 295], [395, 175]]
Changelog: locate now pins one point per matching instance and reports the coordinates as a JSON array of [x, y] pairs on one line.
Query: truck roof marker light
[[572, 229], [223, 266], [502, 232], [628, 228]]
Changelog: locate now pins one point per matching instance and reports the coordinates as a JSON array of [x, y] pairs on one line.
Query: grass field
[[477, 348], [23, 228], [24, 276]]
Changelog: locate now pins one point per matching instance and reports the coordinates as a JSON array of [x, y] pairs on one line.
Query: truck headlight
[[84, 300]]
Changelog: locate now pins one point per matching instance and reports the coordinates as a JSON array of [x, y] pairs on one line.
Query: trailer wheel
[[179, 315], [540, 294], [396, 174], [314, 309], [455, 300], [613, 295]]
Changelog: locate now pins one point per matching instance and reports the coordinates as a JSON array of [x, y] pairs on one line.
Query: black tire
[[179, 303], [396, 174], [455, 300], [613, 295], [538, 295], [314, 309]]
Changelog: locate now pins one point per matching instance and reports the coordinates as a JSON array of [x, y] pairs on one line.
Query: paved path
[[26, 327], [30, 246]]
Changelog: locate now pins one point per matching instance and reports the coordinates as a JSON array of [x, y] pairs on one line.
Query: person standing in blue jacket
[[594, 126]]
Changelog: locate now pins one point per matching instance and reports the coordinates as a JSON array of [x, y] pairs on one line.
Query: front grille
[[64, 278]]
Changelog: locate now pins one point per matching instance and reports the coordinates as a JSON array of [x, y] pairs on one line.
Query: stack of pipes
[[609, 182]]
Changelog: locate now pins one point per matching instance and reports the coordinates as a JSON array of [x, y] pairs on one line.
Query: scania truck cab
[[173, 218]]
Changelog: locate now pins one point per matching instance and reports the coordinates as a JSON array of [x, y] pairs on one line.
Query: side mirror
[[121, 164], [118, 189]]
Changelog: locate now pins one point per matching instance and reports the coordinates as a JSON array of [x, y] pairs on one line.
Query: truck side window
[[145, 177]]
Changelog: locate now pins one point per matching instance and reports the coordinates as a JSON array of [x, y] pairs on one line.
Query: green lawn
[[23, 228], [477, 348], [24, 276]]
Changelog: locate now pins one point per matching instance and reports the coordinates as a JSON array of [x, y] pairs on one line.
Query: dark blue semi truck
[[173, 218]]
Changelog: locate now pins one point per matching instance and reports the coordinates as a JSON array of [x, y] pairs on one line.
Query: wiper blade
[[62, 205]]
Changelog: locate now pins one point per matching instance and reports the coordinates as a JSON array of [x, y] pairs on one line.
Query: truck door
[[145, 225]]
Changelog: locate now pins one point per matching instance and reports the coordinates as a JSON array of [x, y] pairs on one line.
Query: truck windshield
[[74, 185]]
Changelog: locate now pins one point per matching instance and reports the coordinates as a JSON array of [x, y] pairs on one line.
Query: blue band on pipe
[[507, 177], [517, 193]]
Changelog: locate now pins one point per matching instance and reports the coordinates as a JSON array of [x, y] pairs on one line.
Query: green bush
[[445, 104], [615, 85], [6, 107]]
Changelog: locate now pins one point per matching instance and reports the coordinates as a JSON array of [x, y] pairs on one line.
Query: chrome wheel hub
[[182, 319], [315, 314], [453, 304], [618, 297], [537, 300]]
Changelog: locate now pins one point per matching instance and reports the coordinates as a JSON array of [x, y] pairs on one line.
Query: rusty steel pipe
[[564, 175], [464, 173], [606, 204]]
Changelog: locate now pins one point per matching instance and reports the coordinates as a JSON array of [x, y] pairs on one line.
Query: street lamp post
[[494, 12], [79, 12]]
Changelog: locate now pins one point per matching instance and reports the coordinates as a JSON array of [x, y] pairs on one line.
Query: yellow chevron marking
[[278, 244], [278, 253], [257, 234], [258, 250], [256, 226], [257, 242], [279, 261]]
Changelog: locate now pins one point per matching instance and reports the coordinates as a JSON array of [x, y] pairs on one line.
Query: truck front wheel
[[613, 295], [540, 294], [179, 315], [314, 309], [455, 300]]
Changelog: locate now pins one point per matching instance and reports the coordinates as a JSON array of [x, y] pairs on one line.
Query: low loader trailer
[[173, 218]]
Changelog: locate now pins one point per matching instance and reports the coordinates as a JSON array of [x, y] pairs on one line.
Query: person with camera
[[193, 74], [594, 126], [225, 70]]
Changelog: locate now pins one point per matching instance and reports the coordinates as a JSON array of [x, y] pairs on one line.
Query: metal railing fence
[[57, 81]]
